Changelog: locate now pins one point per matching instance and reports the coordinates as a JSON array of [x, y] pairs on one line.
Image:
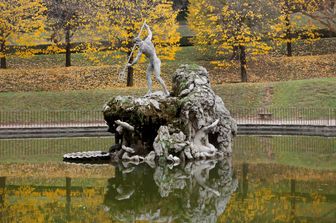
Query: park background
[[60, 61], [66, 55]]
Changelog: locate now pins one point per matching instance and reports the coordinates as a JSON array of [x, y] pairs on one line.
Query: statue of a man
[[147, 47]]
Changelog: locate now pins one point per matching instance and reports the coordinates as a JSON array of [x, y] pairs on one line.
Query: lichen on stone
[[191, 123]]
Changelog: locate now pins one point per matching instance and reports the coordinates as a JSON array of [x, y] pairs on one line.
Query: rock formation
[[191, 123]]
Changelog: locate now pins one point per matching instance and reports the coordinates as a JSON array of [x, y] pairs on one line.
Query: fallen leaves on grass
[[267, 68], [263, 69]]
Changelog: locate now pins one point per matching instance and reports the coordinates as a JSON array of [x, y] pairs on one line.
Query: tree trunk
[[288, 35], [130, 72], [235, 53], [3, 64], [67, 48], [242, 58], [289, 49]]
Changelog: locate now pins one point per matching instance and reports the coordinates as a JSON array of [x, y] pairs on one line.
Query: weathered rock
[[192, 123]]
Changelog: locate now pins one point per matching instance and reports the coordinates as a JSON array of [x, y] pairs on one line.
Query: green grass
[[314, 97], [305, 93], [315, 93], [185, 30], [241, 95], [65, 100]]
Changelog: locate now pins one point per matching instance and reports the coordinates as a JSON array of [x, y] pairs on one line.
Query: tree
[[290, 26], [182, 7], [117, 22], [65, 18], [323, 11], [21, 22], [229, 25]]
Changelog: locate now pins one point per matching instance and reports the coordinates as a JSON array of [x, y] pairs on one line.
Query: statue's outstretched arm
[[136, 58], [150, 34]]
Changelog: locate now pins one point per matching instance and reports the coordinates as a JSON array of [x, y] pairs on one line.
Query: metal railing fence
[[45, 119], [285, 116], [69, 118]]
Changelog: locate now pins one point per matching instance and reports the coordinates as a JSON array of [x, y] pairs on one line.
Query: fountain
[[192, 123]]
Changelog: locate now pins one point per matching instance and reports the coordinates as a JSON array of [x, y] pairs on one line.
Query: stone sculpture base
[[190, 124]]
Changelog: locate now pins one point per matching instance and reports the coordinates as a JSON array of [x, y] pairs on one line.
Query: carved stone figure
[[147, 48], [192, 123]]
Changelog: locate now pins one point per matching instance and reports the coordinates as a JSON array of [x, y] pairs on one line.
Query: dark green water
[[268, 179]]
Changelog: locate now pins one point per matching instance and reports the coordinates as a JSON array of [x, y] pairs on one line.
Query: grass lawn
[[306, 93], [315, 93], [310, 99]]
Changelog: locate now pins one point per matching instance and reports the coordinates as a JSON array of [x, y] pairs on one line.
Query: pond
[[268, 179]]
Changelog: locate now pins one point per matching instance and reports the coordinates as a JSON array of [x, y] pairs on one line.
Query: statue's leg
[[150, 69], [157, 72]]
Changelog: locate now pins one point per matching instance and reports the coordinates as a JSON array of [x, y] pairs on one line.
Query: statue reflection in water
[[197, 192]]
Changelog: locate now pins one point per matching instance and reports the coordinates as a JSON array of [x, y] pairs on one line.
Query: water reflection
[[280, 179], [291, 150], [197, 192], [2, 191]]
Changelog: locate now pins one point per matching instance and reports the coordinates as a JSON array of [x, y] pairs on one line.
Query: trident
[[122, 74]]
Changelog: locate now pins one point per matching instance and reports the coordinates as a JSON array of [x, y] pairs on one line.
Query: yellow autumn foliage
[[66, 22], [118, 22], [228, 25], [21, 25], [291, 25]]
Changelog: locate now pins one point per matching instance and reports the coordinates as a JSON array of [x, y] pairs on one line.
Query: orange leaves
[[44, 72], [265, 68], [60, 79]]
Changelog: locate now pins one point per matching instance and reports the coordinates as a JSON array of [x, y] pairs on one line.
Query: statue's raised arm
[[150, 34]]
